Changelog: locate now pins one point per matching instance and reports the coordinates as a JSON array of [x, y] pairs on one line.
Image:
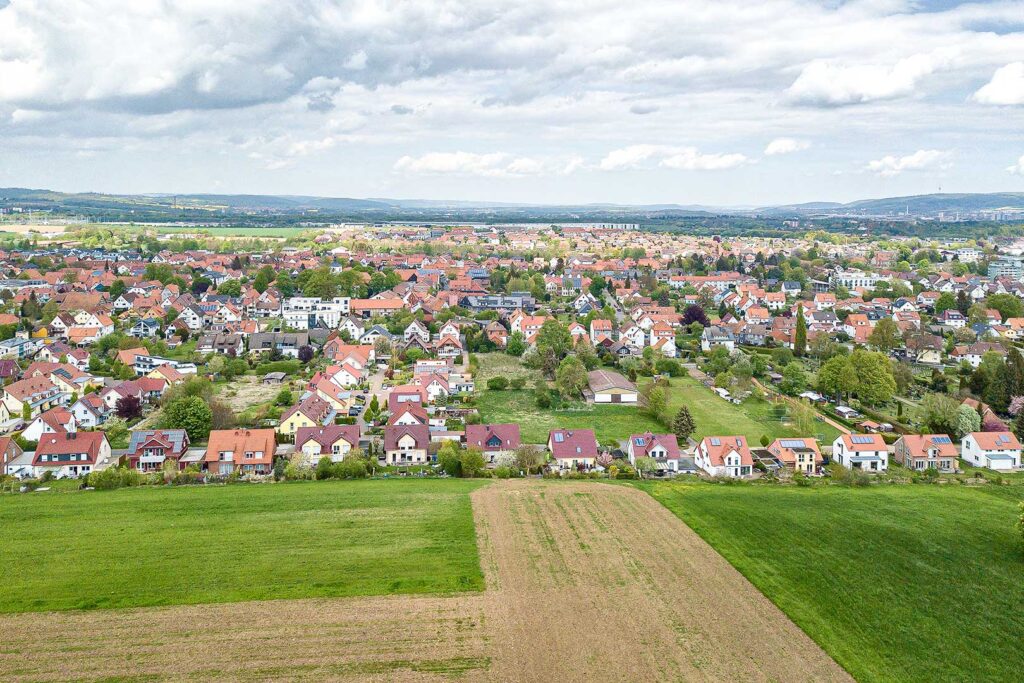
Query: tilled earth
[[585, 582]]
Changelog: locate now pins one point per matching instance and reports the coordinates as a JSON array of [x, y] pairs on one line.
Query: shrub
[[350, 468], [324, 468], [114, 478], [497, 383], [517, 383], [503, 472]]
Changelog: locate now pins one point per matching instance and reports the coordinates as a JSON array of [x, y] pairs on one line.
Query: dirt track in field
[[585, 581]]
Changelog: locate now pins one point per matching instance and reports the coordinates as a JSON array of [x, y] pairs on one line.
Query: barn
[[611, 387]]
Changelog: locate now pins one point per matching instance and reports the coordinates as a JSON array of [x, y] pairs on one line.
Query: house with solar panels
[[866, 452], [921, 451], [799, 455], [994, 450], [724, 456]]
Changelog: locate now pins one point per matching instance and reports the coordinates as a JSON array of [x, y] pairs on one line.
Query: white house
[[866, 452], [727, 456], [994, 450]]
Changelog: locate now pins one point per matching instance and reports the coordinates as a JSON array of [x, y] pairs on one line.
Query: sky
[[714, 102]]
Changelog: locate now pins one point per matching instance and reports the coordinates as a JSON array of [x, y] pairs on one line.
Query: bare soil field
[[585, 581]]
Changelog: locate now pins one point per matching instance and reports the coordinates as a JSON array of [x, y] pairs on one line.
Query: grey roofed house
[[175, 437], [266, 341]]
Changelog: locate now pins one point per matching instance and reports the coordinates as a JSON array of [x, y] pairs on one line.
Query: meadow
[[713, 415], [897, 583], [188, 545]]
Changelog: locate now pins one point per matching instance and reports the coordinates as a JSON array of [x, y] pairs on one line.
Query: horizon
[[698, 102]]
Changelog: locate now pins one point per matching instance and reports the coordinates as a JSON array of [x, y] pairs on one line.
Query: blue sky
[[563, 101]]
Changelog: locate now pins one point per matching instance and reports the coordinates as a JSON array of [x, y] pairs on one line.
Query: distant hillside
[[916, 205]]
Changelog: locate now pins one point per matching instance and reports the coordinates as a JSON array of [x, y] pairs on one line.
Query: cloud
[[320, 102], [831, 84], [642, 109], [1006, 86], [490, 165], [401, 110], [680, 158], [921, 160], [1017, 168], [785, 146]]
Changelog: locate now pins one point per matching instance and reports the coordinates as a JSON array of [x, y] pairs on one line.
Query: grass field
[[611, 424], [897, 583], [715, 416], [189, 545], [234, 231]]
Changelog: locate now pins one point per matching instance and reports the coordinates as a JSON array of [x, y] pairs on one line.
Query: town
[[132, 356]]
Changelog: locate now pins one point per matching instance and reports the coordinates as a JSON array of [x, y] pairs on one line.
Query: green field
[[714, 415], [897, 583], [234, 231], [162, 546], [610, 423]]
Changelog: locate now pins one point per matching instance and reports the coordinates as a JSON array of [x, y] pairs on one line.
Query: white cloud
[[921, 160], [490, 165], [785, 146], [1006, 86], [828, 83], [666, 156], [1017, 168]]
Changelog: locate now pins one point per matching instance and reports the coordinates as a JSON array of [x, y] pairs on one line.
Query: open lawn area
[[163, 546], [714, 415], [610, 423], [897, 583]]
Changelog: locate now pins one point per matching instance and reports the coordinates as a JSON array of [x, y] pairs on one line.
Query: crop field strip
[[570, 569]]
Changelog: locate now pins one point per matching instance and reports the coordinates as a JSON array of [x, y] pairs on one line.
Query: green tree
[[938, 414], [284, 398], [449, 460], [794, 379], [945, 302], [191, 413], [886, 335], [553, 343], [117, 288], [875, 383], [837, 377], [571, 377], [800, 340], [516, 344], [471, 462], [1008, 305], [230, 288], [683, 425]]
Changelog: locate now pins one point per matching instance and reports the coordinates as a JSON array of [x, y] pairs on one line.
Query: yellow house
[[312, 412], [42, 333]]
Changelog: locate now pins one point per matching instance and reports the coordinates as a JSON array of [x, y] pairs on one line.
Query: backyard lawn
[[714, 415], [198, 544], [897, 583]]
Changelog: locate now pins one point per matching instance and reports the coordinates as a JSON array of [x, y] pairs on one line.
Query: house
[[31, 396], [149, 449], [285, 343], [334, 441], [249, 451], [406, 444], [54, 421], [664, 448], [313, 411], [799, 455], [994, 450], [90, 411], [573, 449], [715, 336], [9, 452], [493, 440], [866, 452], [608, 386], [145, 328], [71, 454], [921, 451], [727, 456], [221, 343]]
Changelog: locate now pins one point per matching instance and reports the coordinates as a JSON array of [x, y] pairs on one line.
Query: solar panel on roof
[[716, 441], [941, 439], [792, 443], [862, 438]]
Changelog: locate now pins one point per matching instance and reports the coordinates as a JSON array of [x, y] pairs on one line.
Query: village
[[599, 351]]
